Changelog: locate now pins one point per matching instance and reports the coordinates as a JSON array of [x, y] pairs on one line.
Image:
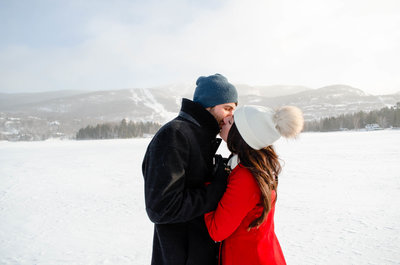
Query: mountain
[[268, 91], [55, 114], [13, 101], [332, 101]]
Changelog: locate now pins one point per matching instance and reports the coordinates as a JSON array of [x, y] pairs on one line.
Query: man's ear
[[209, 108]]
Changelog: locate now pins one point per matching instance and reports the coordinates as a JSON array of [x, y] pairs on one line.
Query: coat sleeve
[[241, 196], [167, 197]]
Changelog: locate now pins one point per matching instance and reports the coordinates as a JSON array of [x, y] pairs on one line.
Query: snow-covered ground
[[81, 202]]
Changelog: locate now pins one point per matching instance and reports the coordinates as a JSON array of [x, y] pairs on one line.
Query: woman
[[244, 219]]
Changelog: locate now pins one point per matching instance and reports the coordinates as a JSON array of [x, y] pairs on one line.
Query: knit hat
[[261, 126], [214, 90]]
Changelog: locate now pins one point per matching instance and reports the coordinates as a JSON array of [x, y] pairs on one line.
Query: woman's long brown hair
[[263, 164]]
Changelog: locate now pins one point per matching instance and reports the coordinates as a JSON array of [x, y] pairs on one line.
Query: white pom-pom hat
[[261, 126]]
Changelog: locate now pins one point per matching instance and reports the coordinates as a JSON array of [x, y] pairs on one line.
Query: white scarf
[[233, 162]]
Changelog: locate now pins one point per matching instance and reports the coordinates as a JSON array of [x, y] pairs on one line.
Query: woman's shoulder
[[241, 170], [243, 175]]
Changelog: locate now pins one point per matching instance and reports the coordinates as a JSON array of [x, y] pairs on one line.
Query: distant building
[[373, 127]]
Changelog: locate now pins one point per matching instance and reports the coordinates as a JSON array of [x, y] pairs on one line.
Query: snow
[[150, 101], [134, 97], [46, 109], [339, 198], [81, 202]]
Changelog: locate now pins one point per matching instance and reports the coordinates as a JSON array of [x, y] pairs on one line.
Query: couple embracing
[[208, 210]]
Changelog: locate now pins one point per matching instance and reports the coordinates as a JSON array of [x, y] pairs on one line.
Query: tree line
[[117, 131], [385, 118]]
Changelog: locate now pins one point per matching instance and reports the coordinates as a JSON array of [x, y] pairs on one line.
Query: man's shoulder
[[176, 128], [176, 124], [182, 124]]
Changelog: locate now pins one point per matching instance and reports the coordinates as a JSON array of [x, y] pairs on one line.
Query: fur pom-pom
[[289, 121]]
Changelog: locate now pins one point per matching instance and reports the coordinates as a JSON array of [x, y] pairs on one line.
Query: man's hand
[[221, 170]]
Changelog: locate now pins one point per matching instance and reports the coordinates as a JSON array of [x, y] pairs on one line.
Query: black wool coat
[[177, 164]]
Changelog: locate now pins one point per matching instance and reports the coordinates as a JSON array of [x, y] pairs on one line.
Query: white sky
[[102, 45]]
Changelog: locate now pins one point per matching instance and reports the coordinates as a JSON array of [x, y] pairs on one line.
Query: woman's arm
[[241, 196]]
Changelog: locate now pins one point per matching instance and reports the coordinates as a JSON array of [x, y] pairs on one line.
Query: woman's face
[[228, 121]]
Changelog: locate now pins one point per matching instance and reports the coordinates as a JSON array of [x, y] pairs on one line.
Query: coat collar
[[197, 114]]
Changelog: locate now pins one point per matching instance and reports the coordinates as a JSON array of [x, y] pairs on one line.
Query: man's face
[[222, 111], [228, 121]]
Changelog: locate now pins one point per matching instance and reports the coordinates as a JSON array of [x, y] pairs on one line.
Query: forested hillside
[[385, 118]]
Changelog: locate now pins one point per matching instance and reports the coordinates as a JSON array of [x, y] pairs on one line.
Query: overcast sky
[[103, 45]]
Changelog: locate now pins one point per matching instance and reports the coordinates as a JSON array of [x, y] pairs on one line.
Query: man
[[177, 165]]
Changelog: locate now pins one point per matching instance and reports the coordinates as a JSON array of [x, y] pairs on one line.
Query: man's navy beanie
[[214, 90]]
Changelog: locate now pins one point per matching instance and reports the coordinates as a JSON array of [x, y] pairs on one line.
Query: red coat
[[229, 223]]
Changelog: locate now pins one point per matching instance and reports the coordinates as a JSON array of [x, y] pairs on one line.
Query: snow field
[[73, 202], [339, 197], [81, 202]]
